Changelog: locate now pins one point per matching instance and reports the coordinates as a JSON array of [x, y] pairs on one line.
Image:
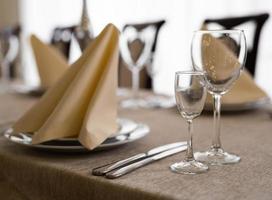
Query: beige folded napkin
[[50, 62], [82, 103], [244, 89], [221, 66]]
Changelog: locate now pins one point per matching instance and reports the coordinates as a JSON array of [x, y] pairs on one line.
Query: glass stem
[[152, 85], [190, 153], [151, 73], [135, 82], [216, 143]]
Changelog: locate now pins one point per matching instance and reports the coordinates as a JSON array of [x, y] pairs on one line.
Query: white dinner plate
[[127, 133]]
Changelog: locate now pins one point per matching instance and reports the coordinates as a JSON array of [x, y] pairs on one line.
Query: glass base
[[217, 156], [123, 92], [132, 103], [157, 101], [150, 102], [189, 167]]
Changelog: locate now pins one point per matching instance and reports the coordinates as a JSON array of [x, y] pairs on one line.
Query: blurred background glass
[[173, 45]]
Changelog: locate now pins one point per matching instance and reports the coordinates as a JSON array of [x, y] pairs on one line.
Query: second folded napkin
[[244, 91], [82, 103], [51, 64]]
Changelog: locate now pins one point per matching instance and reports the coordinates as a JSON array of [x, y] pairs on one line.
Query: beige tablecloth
[[30, 174]]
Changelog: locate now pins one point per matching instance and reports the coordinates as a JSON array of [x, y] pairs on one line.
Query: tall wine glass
[[143, 37], [221, 55], [190, 97]]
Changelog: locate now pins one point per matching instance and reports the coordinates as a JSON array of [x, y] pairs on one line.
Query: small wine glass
[[136, 63], [190, 94], [221, 55]]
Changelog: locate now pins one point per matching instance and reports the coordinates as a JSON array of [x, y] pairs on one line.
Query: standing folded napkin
[[83, 102], [50, 62]]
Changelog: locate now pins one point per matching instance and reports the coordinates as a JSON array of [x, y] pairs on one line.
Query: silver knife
[[129, 168], [102, 170]]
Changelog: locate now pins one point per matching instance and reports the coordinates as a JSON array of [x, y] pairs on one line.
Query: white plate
[[72, 145]]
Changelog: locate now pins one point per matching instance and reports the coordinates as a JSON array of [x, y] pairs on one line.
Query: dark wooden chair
[[232, 22], [61, 39], [136, 47]]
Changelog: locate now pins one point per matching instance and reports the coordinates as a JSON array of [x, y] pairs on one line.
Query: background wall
[[9, 12], [40, 17]]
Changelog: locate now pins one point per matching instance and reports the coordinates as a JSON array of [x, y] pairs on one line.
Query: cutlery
[[131, 167], [102, 170]]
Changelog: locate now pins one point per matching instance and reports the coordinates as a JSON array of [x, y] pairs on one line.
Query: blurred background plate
[[31, 91]]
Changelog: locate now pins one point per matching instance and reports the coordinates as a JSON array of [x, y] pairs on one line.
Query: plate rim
[[8, 133]]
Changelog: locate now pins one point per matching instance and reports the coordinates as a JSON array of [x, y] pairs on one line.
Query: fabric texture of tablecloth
[[29, 174]]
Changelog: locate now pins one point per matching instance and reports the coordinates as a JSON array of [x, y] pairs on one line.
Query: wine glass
[[84, 32], [156, 100], [191, 94], [9, 47], [221, 55], [142, 38]]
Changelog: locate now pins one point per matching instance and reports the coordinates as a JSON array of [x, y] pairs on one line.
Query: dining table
[[32, 174]]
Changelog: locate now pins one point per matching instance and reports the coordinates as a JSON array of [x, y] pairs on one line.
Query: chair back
[[136, 47], [10, 50], [232, 22]]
